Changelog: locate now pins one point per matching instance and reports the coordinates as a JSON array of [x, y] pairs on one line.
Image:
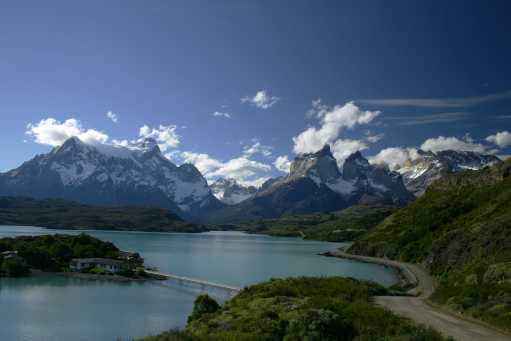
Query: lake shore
[[407, 277], [110, 277]]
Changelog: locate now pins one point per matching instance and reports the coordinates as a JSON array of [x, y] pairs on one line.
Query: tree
[[15, 267], [203, 304]]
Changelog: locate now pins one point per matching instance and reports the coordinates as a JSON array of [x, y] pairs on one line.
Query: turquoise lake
[[54, 308]]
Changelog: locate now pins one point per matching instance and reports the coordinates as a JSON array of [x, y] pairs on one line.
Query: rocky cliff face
[[316, 184], [112, 176], [418, 174]]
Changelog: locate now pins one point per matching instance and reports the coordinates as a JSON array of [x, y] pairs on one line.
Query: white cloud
[[52, 132], [204, 163], [341, 149], [262, 100], [445, 117], [374, 138], [458, 102], [452, 143], [501, 139], [165, 136], [112, 116], [257, 148], [332, 121], [242, 169], [221, 114], [282, 163], [394, 157]]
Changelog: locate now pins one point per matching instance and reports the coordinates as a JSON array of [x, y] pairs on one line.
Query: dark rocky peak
[[355, 167], [189, 172], [149, 145], [321, 165], [70, 145]]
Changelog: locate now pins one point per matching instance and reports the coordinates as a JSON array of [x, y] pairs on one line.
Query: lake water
[[59, 308]]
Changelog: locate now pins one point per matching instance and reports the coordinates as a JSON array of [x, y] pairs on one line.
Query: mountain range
[[140, 175], [427, 167], [315, 184], [109, 175]]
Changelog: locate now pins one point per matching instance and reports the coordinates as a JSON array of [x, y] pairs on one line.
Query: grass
[[461, 229], [301, 309], [57, 213], [339, 226]]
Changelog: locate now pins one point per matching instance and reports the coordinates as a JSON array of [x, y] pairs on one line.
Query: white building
[[110, 265]]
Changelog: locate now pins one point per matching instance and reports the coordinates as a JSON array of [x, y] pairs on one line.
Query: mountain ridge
[[315, 184], [110, 175]]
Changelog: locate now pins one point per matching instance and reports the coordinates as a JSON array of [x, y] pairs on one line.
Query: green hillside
[[461, 230], [339, 226], [57, 213], [296, 309]]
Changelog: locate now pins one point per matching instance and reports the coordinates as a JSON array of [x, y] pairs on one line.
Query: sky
[[240, 87]]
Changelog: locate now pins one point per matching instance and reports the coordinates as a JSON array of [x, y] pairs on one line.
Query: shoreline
[[406, 276], [112, 277]]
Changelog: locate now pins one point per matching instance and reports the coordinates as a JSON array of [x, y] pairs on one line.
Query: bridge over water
[[232, 289]]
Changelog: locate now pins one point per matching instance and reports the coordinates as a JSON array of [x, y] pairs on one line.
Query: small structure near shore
[[131, 257], [106, 264], [10, 255]]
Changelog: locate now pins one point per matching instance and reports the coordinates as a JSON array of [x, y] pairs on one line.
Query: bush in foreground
[[300, 309]]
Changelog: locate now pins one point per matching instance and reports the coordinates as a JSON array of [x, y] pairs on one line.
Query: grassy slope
[[461, 229], [344, 225], [302, 309], [57, 213]]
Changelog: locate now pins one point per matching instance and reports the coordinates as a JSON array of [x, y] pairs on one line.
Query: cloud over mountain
[[332, 120], [52, 132], [501, 139]]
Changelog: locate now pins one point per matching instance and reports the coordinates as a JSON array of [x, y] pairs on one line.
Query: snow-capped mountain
[[316, 184], [230, 192], [112, 176], [419, 173]]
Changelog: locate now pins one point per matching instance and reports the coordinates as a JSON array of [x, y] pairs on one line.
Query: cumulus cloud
[[440, 143], [257, 148], [332, 121], [166, 136], [341, 149], [262, 100], [242, 169], [282, 163], [221, 114], [204, 163], [52, 132], [501, 139], [394, 157], [112, 116]]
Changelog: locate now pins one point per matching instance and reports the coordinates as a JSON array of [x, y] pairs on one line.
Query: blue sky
[[283, 77]]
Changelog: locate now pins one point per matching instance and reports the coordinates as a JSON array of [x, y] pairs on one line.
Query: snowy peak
[[112, 175], [358, 179], [230, 192], [419, 173]]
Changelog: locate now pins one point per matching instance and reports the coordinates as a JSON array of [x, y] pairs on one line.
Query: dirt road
[[417, 308]]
